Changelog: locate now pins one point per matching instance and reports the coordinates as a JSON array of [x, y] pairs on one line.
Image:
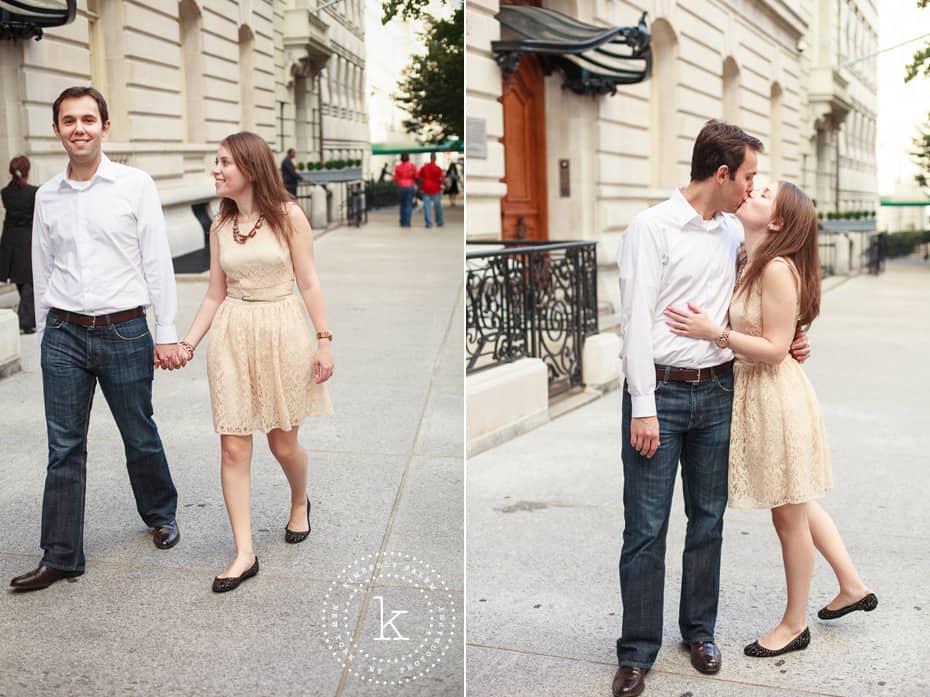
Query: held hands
[[170, 356], [694, 324], [323, 362], [644, 435]]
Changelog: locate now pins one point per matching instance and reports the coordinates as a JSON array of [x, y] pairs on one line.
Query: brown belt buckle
[[93, 321], [697, 379]]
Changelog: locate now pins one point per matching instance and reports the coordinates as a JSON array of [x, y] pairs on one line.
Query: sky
[[388, 49], [901, 107]]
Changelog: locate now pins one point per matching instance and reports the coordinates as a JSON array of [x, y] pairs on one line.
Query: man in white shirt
[[677, 399], [100, 256]]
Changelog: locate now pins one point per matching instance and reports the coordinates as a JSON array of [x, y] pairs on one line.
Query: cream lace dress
[[778, 445], [259, 359]]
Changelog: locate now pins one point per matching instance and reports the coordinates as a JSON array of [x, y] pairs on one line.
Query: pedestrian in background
[[19, 200], [100, 256], [405, 174], [431, 180], [452, 182], [263, 371], [289, 173]]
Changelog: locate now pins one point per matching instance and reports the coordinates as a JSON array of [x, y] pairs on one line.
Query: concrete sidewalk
[[385, 484], [545, 521]]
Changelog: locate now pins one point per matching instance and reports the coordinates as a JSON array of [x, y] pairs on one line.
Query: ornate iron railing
[[531, 299]]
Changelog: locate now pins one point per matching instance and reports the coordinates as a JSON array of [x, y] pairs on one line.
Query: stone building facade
[[179, 76], [780, 68]]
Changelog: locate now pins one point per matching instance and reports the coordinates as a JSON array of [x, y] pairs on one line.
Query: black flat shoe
[[799, 643], [224, 585], [292, 537], [867, 604]]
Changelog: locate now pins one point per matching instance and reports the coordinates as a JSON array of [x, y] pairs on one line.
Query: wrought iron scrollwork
[[532, 300]]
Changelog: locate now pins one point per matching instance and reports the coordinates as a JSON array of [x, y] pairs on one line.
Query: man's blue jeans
[[434, 200], [694, 427], [406, 205], [74, 359]]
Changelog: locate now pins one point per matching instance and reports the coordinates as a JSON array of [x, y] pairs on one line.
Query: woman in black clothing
[[452, 179], [19, 200]]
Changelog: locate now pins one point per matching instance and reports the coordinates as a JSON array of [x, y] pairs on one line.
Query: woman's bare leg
[[235, 474], [292, 457], [797, 549], [829, 543]]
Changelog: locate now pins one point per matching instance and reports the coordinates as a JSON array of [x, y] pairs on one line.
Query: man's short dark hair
[[291, 152], [720, 143], [77, 93]]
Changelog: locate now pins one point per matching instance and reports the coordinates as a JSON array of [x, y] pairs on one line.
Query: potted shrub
[[301, 166]]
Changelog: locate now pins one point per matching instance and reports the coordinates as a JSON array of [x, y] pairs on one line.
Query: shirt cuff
[[643, 406], [166, 334]]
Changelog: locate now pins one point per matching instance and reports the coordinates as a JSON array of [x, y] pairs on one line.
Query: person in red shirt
[[405, 174], [431, 177]]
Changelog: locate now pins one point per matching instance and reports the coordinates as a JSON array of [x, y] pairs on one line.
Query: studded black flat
[[224, 585], [292, 537], [866, 604], [799, 643]]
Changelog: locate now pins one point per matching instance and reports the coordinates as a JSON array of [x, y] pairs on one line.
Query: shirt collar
[[685, 213], [105, 170]]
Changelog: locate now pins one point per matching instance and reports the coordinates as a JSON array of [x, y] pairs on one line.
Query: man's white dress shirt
[[101, 246], [670, 255]]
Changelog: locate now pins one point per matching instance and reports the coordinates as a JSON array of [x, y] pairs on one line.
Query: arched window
[[247, 78], [190, 22], [663, 105], [731, 91], [776, 119]]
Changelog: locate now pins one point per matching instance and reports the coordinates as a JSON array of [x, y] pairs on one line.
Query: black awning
[[24, 19], [593, 60]]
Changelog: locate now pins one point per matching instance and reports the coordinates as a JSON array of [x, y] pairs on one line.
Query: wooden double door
[[523, 208]]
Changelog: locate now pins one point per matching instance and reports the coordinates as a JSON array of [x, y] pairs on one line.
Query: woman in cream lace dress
[[779, 457], [264, 372]]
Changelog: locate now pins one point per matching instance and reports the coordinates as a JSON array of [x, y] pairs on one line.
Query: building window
[[190, 23], [663, 106], [247, 78], [731, 91]]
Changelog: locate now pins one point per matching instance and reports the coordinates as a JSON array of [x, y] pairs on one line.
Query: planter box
[[322, 176]]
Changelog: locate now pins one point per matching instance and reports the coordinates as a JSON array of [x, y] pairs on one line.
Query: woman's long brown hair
[[797, 240], [255, 160]]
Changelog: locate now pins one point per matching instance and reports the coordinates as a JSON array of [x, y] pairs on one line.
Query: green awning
[[397, 147], [905, 200]]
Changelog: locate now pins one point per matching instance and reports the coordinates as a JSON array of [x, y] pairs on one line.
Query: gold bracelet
[[325, 334], [187, 347], [723, 341]]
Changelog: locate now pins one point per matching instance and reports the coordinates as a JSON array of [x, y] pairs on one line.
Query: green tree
[[432, 89], [405, 9], [920, 64]]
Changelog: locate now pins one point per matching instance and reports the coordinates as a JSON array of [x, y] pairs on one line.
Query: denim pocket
[[132, 330], [725, 382], [53, 321]]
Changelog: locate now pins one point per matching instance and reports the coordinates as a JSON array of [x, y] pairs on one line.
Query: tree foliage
[[920, 64], [405, 9], [432, 89]]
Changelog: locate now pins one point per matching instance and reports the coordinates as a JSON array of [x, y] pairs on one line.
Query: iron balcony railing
[[531, 299]]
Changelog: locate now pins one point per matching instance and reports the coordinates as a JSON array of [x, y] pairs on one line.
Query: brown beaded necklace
[[242, 239]]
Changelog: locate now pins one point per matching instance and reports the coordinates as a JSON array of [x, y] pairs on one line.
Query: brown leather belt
[[99, 320], [667, 373]]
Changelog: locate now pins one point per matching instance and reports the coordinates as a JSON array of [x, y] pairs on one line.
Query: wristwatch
[[325, 334], [723, 341]]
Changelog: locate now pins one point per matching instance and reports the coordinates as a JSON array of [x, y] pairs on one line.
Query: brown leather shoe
[[629, 681], [40, 578], [705, 657], [166, 536]]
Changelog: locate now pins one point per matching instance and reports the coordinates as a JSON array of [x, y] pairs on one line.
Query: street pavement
[[545, 521], [386, 489]]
